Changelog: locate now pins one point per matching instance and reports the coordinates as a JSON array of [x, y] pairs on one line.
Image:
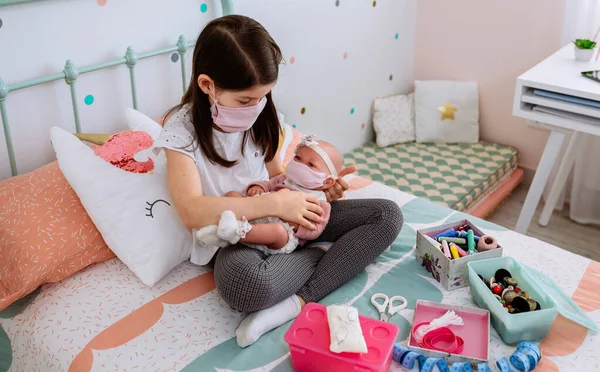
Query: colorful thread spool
[[453, 240], [447, 231], [449, 234], [454, 251], [461, 252], [446, 249], [487, 243], [471, 242]]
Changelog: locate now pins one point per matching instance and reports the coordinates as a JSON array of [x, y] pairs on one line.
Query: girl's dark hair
[[238, 54]]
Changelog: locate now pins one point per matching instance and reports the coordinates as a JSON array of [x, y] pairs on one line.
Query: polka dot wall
[[342, 102], [339, 55]]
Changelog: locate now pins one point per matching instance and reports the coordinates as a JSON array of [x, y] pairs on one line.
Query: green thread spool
[[471, 242], [453, 240]]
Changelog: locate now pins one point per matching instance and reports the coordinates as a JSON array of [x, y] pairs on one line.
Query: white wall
[[37, 39]]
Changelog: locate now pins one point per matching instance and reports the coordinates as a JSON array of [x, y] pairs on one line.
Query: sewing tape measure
[[461, 367], [520, 361]]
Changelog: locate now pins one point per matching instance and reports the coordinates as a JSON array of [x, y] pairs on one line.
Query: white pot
[[583, 55]]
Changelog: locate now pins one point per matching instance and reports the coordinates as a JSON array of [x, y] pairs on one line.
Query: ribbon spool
[[448, 319], [443, 339]]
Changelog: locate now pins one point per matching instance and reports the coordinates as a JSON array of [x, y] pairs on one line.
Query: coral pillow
[[45, 234]]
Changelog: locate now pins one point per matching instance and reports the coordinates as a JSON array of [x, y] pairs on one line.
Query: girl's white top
[[178, 135]]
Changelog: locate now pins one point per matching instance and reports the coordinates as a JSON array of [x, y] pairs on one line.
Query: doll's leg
[[271, 234]]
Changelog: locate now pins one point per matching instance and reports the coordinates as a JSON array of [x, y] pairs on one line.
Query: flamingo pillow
[[124, 190]]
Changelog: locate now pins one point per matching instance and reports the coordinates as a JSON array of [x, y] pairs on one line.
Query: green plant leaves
[[584, 44]]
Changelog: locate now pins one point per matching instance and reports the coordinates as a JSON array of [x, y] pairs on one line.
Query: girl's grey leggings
[[361, 229]]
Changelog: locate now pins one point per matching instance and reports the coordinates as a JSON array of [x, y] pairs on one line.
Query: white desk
[[559, 73]]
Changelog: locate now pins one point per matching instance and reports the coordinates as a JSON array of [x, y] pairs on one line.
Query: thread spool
[[487, 243], [453, 240], [461, 252], [471, 242], [446, 249]]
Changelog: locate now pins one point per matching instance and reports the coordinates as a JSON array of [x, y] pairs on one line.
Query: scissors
[[381, 307]]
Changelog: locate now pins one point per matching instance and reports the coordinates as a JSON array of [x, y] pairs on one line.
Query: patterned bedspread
[[457, 176], [104, 319]]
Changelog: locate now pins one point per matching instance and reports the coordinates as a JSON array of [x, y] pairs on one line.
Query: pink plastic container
[[309, 340]]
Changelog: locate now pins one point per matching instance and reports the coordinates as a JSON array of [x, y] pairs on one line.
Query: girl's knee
[[243, 283], [389, 216]]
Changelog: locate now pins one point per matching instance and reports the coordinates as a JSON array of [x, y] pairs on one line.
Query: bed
[[469, 177], [103, 318]]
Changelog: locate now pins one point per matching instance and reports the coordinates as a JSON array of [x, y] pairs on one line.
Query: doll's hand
[[255, 190], [336, 191]]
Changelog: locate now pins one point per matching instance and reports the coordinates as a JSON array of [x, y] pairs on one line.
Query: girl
[[223, 136]]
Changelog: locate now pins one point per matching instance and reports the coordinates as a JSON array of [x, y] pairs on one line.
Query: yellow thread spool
[[454, 252]]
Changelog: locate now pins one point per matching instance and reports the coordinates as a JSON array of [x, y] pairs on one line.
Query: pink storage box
[[475, 331], [309, 340]]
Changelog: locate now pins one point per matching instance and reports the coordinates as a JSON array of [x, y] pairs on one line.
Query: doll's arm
[[306, 234], [270, 185]]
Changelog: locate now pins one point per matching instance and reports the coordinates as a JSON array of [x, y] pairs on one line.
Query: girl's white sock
[[261, 322]]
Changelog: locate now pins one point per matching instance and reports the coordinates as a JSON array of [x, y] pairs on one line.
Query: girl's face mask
[[303, 176], [235, 119]]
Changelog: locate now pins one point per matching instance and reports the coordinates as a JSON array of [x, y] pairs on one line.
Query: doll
[[314, 169]]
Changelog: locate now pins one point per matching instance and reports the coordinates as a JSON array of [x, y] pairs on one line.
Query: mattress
[[104, 319], [457, 176]]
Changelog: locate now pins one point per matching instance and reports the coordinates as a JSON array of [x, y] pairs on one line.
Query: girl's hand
[[297, 207], [255, 190], [336, 192]]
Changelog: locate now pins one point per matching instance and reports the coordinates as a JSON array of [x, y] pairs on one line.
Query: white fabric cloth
[[582, 20], [344, 329], [178, 135]]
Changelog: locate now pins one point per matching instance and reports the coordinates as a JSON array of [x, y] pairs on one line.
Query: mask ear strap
[[214, 97], [325, 158]]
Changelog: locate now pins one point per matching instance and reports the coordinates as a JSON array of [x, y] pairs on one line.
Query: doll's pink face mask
[[303, 175]]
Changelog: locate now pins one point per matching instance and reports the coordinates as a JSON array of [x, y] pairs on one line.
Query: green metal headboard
[[72, 72]]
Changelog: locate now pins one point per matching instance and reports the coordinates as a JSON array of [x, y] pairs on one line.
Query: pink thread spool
[[487, 243]]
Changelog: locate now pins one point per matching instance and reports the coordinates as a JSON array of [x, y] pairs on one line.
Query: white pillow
[[394, 119], [446, 111], [133, 211]]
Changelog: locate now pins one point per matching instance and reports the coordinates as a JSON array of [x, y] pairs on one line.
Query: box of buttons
[[522, 301], [445, 250], [309, 340], [473, 335]]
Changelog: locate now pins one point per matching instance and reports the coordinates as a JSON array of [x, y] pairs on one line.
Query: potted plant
[[584, 49]]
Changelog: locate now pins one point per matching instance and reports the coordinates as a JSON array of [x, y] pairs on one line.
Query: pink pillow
[[45, 233]]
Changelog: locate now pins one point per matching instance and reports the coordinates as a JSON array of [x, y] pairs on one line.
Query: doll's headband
[[309, 141]]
